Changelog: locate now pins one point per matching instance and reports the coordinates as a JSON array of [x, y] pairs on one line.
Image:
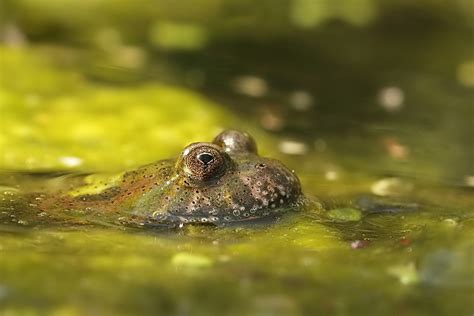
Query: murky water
[[370, 104]]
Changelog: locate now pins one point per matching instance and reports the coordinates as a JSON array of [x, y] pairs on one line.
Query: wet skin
[[220, 182]]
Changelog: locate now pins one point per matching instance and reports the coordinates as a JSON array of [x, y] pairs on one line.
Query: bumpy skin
[[219, 182]]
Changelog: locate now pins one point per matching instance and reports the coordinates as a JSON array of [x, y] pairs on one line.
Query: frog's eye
[[236, 142], [203, 162]]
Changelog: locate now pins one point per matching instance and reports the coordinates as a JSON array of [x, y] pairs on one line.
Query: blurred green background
[[346, 76]]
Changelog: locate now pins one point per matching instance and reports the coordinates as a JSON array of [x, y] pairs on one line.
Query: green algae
[[210, 270], [303, 264], [417, 262], [345, 214], [53, 119]]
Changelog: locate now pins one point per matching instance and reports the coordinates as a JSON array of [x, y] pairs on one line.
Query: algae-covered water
[[370, 102]]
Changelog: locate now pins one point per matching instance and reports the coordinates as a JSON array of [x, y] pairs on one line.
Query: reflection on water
[[369, 101]]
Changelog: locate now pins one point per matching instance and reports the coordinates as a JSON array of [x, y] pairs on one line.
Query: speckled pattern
[[219, 182]]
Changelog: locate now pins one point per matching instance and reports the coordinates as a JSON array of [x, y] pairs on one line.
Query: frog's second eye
[[233, 141], [203, 162]]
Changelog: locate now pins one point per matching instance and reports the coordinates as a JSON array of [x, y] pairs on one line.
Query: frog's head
[[222, 181]]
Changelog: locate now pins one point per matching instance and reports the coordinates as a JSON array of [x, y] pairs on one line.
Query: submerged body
[[218, 182]]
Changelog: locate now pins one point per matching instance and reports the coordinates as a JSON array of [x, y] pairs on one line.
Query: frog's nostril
[[205, 158]]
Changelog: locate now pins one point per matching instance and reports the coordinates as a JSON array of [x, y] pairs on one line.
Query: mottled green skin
[[249, 187]]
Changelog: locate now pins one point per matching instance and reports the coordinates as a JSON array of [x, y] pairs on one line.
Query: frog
[[218, 182]]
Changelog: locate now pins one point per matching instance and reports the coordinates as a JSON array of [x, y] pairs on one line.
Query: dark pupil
[[205, 158]]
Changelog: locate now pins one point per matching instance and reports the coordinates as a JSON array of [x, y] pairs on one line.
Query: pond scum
[[382, 153]]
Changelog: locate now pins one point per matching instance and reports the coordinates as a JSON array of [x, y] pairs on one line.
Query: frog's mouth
[[225, 218]]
